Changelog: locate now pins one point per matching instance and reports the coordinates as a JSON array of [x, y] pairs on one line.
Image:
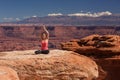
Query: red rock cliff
[[104, 49]]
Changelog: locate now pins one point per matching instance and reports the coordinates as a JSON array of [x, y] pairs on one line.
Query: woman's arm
[[46, 31]]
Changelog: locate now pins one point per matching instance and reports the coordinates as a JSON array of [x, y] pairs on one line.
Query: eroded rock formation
[[57, 65], [7, 73], [95, 45], [104, 49]]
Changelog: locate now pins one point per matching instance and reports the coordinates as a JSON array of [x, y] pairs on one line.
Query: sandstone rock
[[104, 49], [95, 45], [111, 68], [7, 73], [102, 74], [57, 65]]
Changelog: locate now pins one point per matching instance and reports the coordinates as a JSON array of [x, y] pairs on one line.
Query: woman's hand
[[44, 29]]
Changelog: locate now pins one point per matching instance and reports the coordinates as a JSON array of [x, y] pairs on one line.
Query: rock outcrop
[[104, 49], [95, 45], [7, 73], [57, 65]]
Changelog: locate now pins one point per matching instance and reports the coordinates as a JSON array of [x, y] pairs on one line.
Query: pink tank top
[[44, 45]]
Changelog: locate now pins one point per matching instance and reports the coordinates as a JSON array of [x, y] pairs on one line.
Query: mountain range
[[106, 20]]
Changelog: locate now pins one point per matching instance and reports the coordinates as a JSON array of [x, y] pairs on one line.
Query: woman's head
[[44, 36]]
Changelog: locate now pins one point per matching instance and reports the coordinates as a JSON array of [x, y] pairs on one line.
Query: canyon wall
[[24, 37]]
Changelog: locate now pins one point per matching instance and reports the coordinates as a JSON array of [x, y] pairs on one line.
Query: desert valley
[[81, 48]]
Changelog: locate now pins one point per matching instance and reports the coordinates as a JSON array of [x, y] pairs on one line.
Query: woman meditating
[[44, 37]]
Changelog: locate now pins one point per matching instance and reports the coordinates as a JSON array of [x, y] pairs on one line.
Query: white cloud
[[55, 14], [10, 19], [34, 16], [104, 13], [7, 19], [89, 14], [17, 19], [25, 17]]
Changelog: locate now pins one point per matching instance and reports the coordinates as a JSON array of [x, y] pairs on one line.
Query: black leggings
[[42, 52]]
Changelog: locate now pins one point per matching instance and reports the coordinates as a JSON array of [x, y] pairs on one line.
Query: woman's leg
[[45, 51], [37, 52]]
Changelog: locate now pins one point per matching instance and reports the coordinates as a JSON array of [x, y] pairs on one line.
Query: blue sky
[[20, 9]]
